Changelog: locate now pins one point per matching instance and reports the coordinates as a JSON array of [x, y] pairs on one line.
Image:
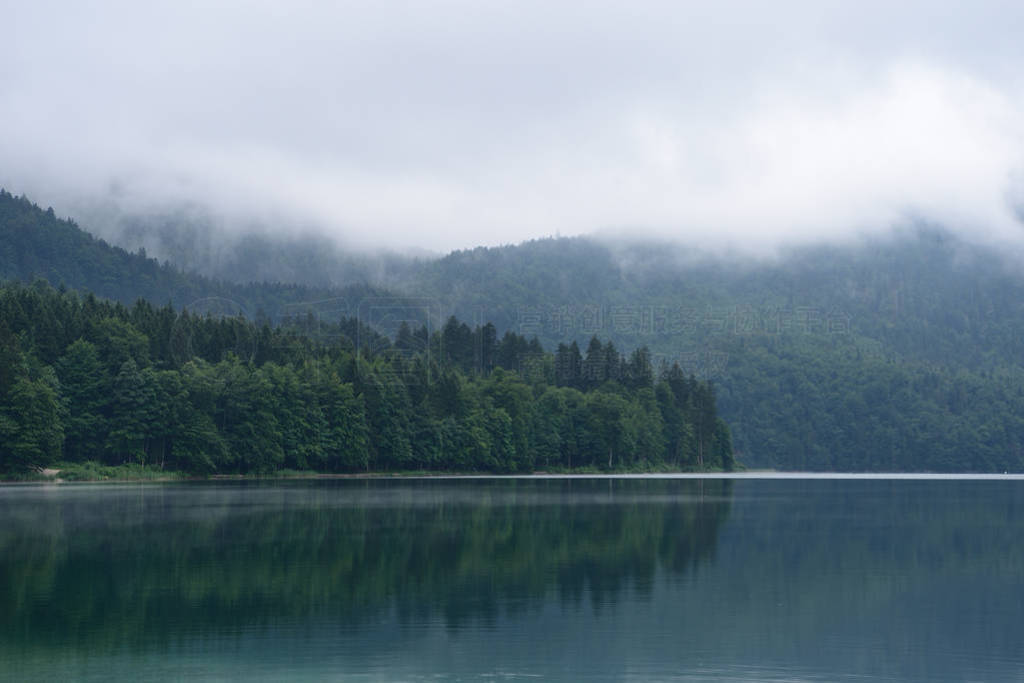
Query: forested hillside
[[195, 241], [898, 353], [37, 244], [87, 380], [901, 353]]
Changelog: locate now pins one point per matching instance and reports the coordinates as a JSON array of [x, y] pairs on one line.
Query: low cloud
[[447, 125]]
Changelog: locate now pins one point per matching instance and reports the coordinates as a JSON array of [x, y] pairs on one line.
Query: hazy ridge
[[895, 353]]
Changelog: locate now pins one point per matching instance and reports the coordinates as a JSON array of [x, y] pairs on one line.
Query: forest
[[83, 379], [898, 353]]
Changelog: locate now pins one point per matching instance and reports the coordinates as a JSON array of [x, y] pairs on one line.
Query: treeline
[[84, 379], [899, 353], [847, 408]]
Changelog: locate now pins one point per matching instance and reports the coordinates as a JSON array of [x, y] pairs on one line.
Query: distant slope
[[922, 296], [37, 244], [197, 242], [904, 353]]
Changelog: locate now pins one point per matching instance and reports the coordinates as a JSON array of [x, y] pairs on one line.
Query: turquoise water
[[783, 579]]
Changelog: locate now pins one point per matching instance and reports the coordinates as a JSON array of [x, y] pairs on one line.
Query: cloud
[[451, 124]]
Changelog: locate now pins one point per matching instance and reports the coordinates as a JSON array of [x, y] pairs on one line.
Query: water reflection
[[471, 580], [102, 567]]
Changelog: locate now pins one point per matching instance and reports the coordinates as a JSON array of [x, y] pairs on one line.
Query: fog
[[447, 125]]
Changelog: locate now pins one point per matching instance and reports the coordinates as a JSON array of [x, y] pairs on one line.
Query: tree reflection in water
[[122, 566]]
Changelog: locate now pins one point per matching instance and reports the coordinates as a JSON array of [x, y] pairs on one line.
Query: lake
[[649, 578]]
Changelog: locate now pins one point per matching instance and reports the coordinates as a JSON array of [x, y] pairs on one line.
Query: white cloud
[[451, 124]]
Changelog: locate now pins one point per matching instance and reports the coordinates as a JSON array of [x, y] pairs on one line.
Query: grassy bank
[[94, 471]]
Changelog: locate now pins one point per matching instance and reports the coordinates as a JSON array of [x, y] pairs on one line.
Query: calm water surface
[[608, 579]]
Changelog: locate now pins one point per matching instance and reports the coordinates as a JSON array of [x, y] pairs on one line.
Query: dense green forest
[[83, 379], [896, 353]]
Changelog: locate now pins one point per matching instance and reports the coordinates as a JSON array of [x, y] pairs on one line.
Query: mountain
[[35, 243], [900, 353], [897, 353], [197, 242], [92, 382]]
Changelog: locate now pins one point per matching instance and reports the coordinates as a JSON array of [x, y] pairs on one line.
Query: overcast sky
[[450, 124]]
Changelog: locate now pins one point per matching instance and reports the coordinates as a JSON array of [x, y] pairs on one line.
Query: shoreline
[[183, 477], [653, 474]]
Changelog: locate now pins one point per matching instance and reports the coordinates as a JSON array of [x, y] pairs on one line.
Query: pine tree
[[87, 391], [31, 420], [132, 407]]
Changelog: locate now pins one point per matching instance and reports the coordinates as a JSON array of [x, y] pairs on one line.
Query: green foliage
[[902, 353], [123, 393], [894, 354], [31, 429], [87, 392], [93, 471]]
